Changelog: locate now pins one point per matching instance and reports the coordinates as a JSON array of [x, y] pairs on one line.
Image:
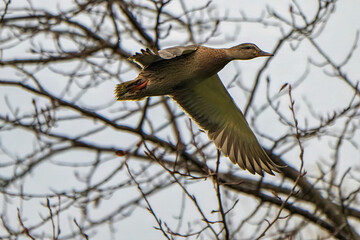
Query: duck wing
[[147, 57], [173, 52], [212, 108]]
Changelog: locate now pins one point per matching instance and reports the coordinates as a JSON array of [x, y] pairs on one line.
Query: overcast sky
[[323, 93]]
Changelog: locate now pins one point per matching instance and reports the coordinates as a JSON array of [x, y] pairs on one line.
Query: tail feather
[[127, 91]]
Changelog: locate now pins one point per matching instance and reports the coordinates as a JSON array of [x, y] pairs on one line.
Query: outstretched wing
[[169, 53], [211, 106], [147, 57]]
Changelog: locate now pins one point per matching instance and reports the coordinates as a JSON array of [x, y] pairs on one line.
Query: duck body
[[167, 73], [189, 76]]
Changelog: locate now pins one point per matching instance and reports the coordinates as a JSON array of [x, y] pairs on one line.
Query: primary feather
[[189, 75]]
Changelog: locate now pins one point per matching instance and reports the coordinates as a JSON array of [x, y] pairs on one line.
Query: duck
[[189, 75]]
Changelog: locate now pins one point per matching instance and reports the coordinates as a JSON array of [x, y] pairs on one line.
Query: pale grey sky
[[324, 93]]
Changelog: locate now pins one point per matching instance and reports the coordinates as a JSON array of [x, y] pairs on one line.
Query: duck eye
[[248, 47]]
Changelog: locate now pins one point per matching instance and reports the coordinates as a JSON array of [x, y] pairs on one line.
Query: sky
[[319, 93]]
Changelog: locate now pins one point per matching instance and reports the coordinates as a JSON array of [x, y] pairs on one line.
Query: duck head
[[246, 51]]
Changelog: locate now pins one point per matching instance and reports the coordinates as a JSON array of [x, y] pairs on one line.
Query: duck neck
[[233, 54]]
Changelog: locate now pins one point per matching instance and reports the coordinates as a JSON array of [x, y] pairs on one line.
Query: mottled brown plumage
[[189, 75]]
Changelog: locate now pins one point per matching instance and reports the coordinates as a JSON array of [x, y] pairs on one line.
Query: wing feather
[[147, 57], [210, 105], [169, 53]]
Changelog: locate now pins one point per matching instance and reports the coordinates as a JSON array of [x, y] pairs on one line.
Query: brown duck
[[189, 76]]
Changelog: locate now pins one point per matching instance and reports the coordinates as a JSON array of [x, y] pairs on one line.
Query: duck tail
[[131, 90]]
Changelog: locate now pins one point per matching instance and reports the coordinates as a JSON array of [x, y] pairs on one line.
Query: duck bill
[[265, 54]]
